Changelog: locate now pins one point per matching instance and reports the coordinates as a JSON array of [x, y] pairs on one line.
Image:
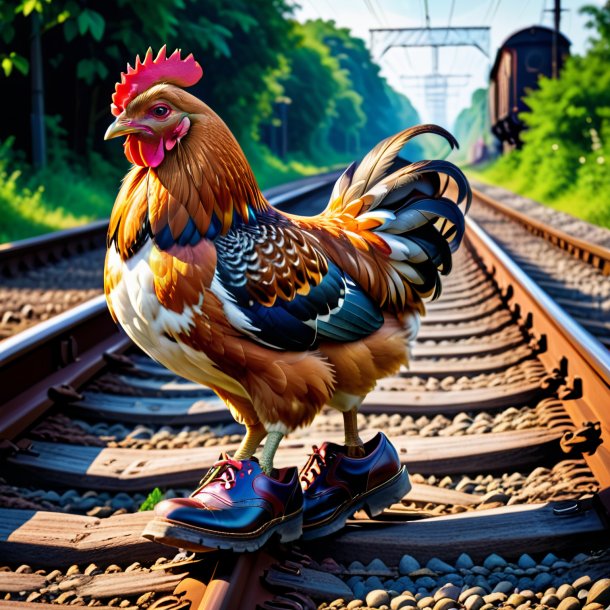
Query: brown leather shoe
[[237, 507], [336, 486]]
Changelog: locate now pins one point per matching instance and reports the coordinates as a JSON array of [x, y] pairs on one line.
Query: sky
[[503, 16]]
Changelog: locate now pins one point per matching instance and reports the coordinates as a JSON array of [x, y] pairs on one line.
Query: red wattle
[[145, 153]]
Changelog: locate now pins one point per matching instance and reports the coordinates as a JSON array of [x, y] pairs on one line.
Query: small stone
[[330, 565], [408, 564], [402, 601], [454, 579], [358, 590], [449, 591], [565, 590], [542, 581], [549, 559], [425, 602], [352, 580], [504, 586], [495, 598], [439, 566], [525, 584], [145, 599], [355, 603], [373, 583], [356, 566], [464, 562], [464, 595], [481, 570], [474, 602], [594, 606], [584, 582], [444, 604], [377, 566], [493, 497], [404, 583], [525, 605], [480, 581], [494, 561], [528, 594], [338, 603], [425, 582], [550, 599], [515, 600], [525, 561], [422, 572], [599, 593], [569, 603]]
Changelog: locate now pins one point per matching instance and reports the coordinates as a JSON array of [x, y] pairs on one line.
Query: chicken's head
[[151, 108]]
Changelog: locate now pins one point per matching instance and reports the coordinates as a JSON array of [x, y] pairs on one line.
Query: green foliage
[[153, 498], [252, 54], [65, 194], [472, 124], [338, 95], [566, 152]]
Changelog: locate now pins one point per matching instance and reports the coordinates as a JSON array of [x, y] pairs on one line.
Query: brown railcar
[[521, 60]]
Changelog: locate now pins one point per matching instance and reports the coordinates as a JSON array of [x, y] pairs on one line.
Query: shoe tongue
[[329, 447]]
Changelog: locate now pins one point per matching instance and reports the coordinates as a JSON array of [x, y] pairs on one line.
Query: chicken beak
[[121, 127]]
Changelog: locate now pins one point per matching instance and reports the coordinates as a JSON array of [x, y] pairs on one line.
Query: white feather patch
[[236, 317]]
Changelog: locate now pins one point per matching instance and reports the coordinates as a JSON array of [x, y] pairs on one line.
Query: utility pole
[[556, 22], [556, 10], [39, 144], [383, 39], [436, 88]]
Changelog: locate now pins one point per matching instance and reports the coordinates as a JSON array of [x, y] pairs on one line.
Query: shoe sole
[[374, 502], [191, 538]]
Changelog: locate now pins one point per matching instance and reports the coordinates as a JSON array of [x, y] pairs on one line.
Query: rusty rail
[[20, 255], [593, 254], [583, 361]]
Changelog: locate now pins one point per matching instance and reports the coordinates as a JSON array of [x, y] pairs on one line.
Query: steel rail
[[583, 360], [593, 254], [19, 255]]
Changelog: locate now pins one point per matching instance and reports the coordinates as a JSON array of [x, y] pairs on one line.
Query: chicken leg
[[353, 442], [249, 444], [274, 438]]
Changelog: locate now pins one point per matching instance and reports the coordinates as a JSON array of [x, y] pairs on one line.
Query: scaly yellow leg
[[249, 444], [353, 442], [271, 444]]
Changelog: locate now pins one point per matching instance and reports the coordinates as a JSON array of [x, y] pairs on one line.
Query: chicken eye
[[160, 111]]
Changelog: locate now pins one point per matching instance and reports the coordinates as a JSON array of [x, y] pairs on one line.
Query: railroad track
[[44, 276], [509, 505], [569, 259]]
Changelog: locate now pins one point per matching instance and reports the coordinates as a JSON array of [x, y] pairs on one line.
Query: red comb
[[173, 69]]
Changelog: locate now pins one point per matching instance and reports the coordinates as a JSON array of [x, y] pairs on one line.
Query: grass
[[62, 195], [577, 201], [66, 194]]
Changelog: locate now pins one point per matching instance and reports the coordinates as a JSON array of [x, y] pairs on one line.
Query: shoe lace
[[313, 467], [222, 471]]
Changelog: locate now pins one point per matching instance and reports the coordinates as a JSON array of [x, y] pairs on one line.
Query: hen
[[278, 314]]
